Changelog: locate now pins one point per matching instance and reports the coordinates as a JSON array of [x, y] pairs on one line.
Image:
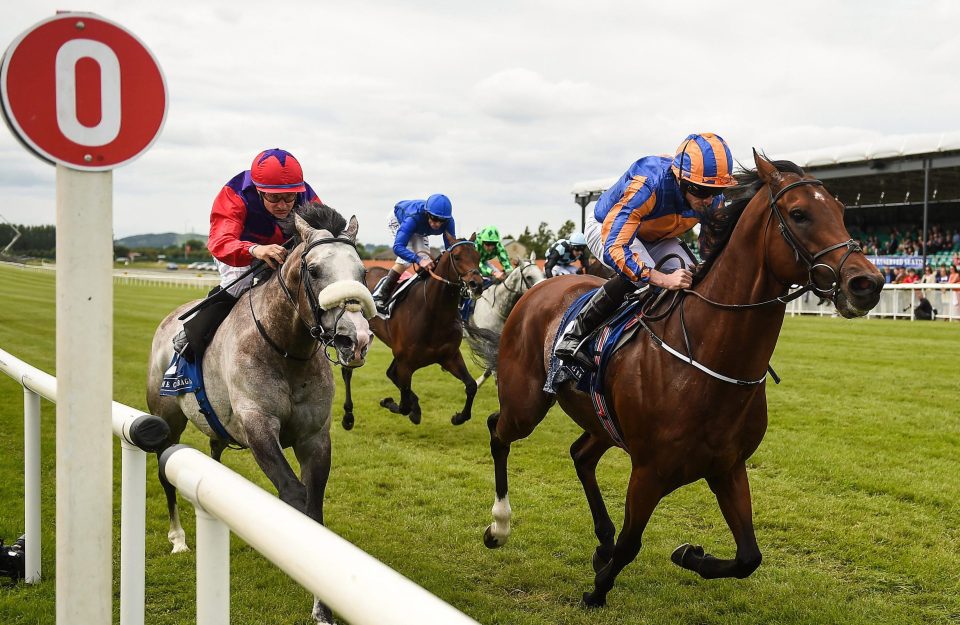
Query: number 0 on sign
[[83, 92]]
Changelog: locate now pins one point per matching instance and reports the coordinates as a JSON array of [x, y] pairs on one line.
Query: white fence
[[361, 589], [897, 301], [122, 276]]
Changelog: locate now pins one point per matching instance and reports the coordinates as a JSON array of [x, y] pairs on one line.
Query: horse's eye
[[314, 271], [797, 216]]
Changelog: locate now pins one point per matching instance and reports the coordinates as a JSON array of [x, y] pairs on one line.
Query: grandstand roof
[[886, 172]]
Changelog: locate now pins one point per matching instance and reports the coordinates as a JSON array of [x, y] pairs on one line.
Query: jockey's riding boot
[[200, 328], [603, 304], [384, 291]]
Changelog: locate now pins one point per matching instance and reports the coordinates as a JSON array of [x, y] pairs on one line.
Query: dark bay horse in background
[[267, 372], [425, 328], [679, 422]]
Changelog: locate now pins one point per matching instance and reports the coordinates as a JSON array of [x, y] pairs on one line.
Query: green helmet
[[490, 234]]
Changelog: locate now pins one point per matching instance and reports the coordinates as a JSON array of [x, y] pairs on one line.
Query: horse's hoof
[[599, 561], [414, 417], [348, 421], [592, 601], [489, 541], [685, 551], [389, 404], [459, 419]]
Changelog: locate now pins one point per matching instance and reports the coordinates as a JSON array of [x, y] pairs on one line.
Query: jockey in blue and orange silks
[[250, 219], [636, 222], [411, 223]]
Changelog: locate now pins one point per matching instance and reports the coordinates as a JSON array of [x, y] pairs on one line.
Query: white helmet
[[578, 240]]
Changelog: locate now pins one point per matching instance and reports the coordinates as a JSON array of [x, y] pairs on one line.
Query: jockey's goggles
[[276, 198], [700, 192], [439, 220]]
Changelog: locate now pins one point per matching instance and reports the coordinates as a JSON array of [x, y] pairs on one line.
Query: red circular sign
[[83, 92]]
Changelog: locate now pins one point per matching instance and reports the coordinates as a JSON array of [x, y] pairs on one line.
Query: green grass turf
[[855, 490]]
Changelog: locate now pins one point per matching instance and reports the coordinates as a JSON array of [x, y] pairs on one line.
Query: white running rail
[[363, 590], [897, 301]]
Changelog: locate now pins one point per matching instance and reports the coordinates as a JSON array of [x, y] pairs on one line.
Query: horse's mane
[[716, 229], [322, 217]]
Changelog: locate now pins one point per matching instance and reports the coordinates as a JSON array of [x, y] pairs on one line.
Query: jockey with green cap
[[491, 248]]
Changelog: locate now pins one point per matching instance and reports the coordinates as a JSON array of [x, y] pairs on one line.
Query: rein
[[460, 284], [523, 288], [324, 337]]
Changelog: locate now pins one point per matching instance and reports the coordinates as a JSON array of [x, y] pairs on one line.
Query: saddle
[[610, 336], [400, 293]]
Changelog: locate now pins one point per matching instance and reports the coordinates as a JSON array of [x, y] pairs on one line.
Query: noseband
[[810, 260], [460, 283], [318, 332]]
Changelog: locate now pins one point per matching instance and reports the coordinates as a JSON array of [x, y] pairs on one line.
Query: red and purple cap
[[277, 171]]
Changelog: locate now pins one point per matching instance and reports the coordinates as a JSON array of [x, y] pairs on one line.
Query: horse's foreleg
[[643, 495], [455, 365], [733, 494], [348, 402], [313, 454], [586, 452], [262, 435]]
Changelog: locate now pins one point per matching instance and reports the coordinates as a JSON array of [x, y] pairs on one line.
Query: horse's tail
[[485, 345]]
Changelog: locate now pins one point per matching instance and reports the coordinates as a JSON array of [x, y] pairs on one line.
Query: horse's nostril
[[342, 342], [865, 285]]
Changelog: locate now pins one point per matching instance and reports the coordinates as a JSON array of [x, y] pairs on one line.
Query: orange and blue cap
[[705, 160]]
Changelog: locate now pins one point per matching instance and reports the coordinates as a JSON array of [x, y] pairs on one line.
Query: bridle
[[524, 264], [323, 336], [460, 284], [810, 260]]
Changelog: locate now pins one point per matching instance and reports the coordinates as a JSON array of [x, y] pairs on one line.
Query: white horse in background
[[495, 304]]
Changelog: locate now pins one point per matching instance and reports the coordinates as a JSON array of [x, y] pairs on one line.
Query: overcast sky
[[503, 106]]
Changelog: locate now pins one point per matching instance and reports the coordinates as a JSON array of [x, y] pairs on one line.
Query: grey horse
[[267, 378], [496, 302]]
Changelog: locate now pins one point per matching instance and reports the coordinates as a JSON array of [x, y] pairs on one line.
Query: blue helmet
[[578, 240], [439, 206]]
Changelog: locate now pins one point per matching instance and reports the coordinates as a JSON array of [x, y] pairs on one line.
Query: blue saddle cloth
[[602, 345], [183, 376]]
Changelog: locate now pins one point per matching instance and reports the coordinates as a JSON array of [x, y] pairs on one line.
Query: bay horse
[[689, 389], [267, 372], [424, 327], [496, 302]]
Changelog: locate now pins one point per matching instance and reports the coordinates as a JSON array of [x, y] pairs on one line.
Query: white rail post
[[213, 569], [133, 529], [31, 485], [84, 397]]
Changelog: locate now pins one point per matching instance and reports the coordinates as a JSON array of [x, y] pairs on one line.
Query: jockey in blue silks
[[636, 222], [411, 223]]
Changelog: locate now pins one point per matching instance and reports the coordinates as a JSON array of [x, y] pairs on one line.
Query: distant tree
[[38, 241], [537, 242], [121, 251], [566, 229]]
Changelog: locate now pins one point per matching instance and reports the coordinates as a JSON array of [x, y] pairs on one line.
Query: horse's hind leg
[[586, 452], [217, 447], [348, 402], [643, 495], [733, 494], [455, 365], [516, 420], [177, 537], [402, 377]]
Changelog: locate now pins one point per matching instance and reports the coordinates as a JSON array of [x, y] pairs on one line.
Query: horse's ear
[[448, 238], [533, 256], [767, 170], [473, 237], [303, 228], [351, 230]]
